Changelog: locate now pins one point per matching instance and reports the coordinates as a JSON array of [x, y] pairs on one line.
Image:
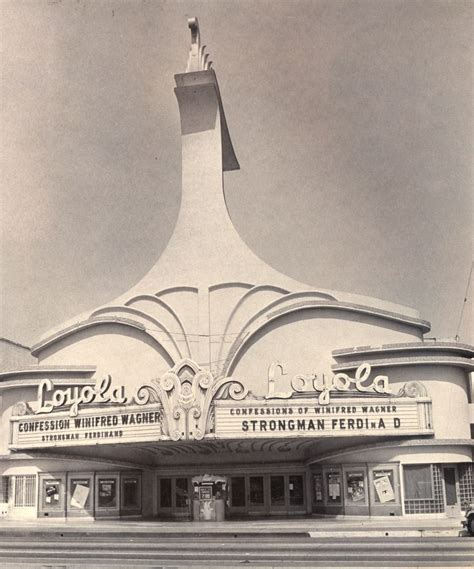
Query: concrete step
[[174, 554]]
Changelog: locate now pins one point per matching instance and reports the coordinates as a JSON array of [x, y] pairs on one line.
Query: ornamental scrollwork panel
[[186, 393]]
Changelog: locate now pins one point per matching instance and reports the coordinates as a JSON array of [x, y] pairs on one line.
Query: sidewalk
[[314, 527]]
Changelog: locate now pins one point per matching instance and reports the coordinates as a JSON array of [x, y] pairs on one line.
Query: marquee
[[189, 403]]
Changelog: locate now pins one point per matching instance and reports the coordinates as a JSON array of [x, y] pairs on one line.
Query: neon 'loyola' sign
[[101, 392], [338, 382]]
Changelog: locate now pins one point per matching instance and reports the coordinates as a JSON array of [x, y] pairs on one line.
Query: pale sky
[[351, 120]]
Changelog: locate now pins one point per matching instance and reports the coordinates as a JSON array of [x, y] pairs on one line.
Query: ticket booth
[[209, 498]]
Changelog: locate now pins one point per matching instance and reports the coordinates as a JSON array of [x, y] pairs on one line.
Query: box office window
[[80, 493], [333, 488], [131, 493], [355, 488], [418, 482], [107, 489]]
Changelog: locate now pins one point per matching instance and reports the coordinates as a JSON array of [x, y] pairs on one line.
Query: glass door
[[256, 496], [453, 507], [173, 497], [165, 497], [182, 501], [131, 495], [238, 495], [296, 496], [277, 494]]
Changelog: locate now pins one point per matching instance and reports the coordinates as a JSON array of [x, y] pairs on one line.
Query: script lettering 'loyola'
[[75, 396], [338, 382]]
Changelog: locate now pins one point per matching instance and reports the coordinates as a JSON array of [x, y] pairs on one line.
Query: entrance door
[[238, 495], [174, 497], [296, 497], [277, 494], [270, 494], [453, 507], [182, 501], [256, 498]]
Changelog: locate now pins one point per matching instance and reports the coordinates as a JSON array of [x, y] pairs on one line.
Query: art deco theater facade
[[218, 387]]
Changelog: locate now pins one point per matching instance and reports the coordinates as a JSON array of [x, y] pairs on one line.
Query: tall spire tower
[[205, 248], [208, 293]]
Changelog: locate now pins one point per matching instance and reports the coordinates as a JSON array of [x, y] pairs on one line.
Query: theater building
[[218, 387]]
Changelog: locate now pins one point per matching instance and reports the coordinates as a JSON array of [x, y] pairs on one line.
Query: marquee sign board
[[96, 426], [189, 403], [305, 417]]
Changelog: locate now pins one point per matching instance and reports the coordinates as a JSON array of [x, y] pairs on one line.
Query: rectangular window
[[25, 491], [4, 489], [418, 482]]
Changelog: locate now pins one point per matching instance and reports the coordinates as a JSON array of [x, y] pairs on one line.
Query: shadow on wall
[[114, 343], [304, 340]]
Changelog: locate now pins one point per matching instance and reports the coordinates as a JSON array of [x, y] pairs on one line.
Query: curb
[[260, 533]]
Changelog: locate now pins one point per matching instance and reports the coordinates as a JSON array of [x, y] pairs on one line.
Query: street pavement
[[264, 544]]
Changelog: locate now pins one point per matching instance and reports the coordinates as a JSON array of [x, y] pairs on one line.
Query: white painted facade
[[212, 325]]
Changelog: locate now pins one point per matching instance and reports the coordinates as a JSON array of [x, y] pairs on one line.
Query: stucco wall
[[303, 341], [8, 399], [128, 355], [448, 388], [404, 455]]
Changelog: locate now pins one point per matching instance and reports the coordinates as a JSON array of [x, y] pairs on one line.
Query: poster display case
[[333, 490], [131, 495], [80, 490], [356, 496], [107, 495], [384, 489], [318, 489], [52, 487]]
